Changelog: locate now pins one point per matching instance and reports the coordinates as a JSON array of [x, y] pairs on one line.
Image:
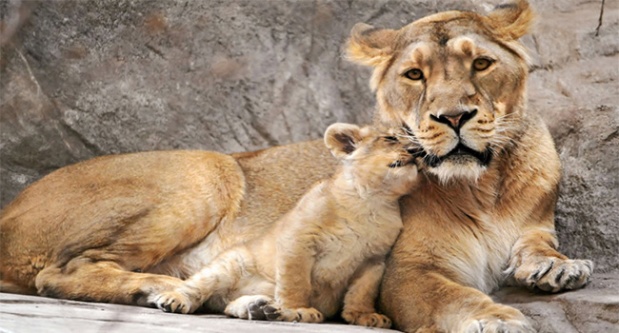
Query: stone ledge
[[594, 309], [33, 314]]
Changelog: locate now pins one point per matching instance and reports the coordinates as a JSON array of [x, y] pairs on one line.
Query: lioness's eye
[[390, 138], [414, 74], [481, 64]]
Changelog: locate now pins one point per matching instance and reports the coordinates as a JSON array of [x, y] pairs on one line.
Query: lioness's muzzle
[[483, 158]]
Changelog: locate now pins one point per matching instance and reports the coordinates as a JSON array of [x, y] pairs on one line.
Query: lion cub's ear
[[342, 139], [368, 45], [512, 20]]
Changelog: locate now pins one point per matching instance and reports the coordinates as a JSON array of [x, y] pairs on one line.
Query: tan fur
[[124, 228], [327, 251], [494, 214]]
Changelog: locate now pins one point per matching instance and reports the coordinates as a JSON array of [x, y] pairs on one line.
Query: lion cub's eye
[[414, 74], [391, 139], [481, 64]]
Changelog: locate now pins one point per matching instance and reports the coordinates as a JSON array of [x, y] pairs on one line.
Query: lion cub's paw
[[554, 274], [302, 315], [250, 307], [366, 319], [178, 302]]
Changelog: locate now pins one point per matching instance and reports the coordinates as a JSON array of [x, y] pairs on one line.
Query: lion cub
[[327, 251]]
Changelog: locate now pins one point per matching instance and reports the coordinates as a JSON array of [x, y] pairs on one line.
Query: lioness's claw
[[553, 274]]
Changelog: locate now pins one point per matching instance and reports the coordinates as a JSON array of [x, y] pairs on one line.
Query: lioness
[[123, 228], [330, 248]]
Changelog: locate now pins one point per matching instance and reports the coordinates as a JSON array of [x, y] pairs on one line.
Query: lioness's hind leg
[[183, 300], [102, 281], [13, 288], [219, 277]]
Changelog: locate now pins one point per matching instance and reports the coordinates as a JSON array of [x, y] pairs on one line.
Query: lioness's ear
[[511, 21], [368, 45], [342, 139]]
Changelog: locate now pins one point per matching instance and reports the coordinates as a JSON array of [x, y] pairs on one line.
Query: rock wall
[[86, 78]]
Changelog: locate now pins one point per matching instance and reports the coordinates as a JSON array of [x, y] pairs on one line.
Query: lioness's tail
[[10, 287]]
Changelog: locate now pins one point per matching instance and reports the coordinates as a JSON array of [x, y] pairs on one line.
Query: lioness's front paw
[[178, 302], [496, 325], [496, 318], [553, 274], [302, 315], [366, 319]]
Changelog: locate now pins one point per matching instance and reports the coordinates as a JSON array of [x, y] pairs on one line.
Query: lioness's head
[[455, 80], [378, 161]]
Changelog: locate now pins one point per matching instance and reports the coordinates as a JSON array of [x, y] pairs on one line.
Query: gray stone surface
[[575, 86], [594, 309], [60, 316], [86, 78], [89, 78]]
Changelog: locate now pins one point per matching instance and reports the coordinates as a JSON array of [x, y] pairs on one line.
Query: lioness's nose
[[455, 119]]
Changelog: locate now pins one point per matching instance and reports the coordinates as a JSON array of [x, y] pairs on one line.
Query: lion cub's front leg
[[294, 286], [302, 315], [361, 296]]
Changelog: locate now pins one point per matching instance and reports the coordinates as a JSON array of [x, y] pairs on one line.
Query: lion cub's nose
[[415, 151], [456, 119]]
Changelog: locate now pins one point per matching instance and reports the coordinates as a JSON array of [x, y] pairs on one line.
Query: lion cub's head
[[455, 79], [376, 161]]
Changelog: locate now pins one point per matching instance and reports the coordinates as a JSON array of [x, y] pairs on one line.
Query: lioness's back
[[93, 204], [140, 209]]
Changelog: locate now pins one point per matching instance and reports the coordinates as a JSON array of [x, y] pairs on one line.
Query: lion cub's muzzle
[[411, 156]]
